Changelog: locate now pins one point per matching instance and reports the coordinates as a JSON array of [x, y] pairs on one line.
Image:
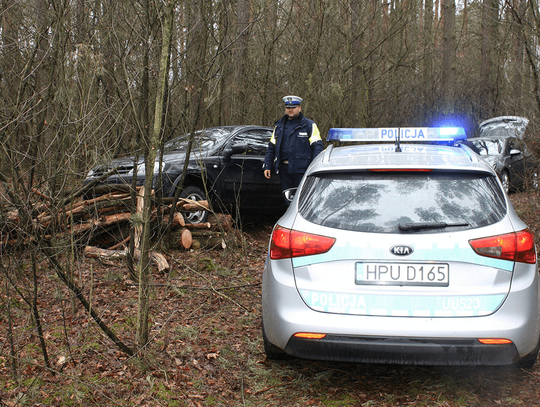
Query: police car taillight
[[518, 246], [288, 243]]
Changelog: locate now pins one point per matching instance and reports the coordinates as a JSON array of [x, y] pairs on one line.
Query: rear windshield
[[384, 202]]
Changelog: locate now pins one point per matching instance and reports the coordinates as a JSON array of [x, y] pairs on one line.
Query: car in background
[[225, 166], [501, 143], [402, 253]]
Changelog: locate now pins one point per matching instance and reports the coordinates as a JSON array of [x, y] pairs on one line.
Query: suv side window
[[257, 141]]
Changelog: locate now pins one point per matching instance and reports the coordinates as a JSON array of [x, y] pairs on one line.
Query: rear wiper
[[429, 225]]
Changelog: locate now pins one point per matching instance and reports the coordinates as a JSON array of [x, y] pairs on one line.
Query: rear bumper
[[417, 351], [401, 340]]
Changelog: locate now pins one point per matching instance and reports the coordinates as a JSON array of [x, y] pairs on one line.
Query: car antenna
[[398, 147]]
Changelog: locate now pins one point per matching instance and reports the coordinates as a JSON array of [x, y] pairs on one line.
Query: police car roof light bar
[[398, 134]]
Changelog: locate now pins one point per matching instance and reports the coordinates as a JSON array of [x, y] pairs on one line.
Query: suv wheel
[[196, 194]]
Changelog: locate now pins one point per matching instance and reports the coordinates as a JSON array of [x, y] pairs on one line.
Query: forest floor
[[206, 346]]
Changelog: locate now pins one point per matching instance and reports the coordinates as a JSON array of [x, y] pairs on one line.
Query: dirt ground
[[206, 347]]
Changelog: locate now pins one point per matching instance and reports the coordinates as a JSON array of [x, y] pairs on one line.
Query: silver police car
[[408, 252]]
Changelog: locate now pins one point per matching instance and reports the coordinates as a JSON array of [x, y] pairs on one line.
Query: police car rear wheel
[[272, 351], [529, 361]]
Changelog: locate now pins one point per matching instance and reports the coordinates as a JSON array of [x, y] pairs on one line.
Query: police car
[[403, 252]]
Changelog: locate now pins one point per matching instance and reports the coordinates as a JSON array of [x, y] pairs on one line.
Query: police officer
[[295, 142]]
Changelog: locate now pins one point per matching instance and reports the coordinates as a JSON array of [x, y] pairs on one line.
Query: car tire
[[197, 194], [505, 181], [528, 361], [272, 351]]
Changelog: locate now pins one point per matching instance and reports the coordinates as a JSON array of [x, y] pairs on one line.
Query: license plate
[[426, 274]]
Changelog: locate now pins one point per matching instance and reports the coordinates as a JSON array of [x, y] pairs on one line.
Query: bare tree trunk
[[12, 348], [35, 313], [448, 83], [142, 130], [269, 96], [42, 91], [530, 50], [226, 84], [150, 158], [488, 66], [241, 58], [518, 9], [429, 46], [196, 65], [10, 64], [359, 101]]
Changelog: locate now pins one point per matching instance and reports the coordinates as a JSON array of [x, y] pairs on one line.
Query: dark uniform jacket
[[304, 142]]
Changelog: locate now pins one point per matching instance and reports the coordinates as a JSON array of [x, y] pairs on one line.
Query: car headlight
[[96, 172], [141, 169]]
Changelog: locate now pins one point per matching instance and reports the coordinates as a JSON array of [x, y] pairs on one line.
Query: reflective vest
[[305, 142]]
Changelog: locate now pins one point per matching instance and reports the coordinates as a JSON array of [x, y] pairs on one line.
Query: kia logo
[[401, 250]]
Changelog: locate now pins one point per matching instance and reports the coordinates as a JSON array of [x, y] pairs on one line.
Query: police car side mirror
[[288, 194]]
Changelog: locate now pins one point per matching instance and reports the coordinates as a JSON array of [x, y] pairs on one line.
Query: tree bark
[[150, 158], [448, 75]]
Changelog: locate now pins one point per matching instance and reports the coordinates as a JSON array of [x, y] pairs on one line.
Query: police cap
[[291, 101]]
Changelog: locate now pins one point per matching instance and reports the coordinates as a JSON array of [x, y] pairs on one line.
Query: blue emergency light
[[398, 134]]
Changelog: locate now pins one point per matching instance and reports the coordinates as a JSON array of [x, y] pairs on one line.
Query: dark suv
[[225, 166], [501, 144]]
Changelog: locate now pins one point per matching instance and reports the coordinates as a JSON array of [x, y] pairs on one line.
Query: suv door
[[515, 162], [243, 179]]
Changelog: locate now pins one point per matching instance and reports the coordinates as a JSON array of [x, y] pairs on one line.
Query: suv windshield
[[488, 147], [393, 202]]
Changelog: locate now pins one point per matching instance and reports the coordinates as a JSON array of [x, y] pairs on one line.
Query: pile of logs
[[104, 222]]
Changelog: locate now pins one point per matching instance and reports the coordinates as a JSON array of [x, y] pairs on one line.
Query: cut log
[[178, 220], [205, 225], [207, 233], [116, 218], [194, 206], [97, 253], [221, 221], [105, 222], [83, 227], [110, 188], [209, 243], [186, 240], [190, 203], [157, 258], [42, 195]]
